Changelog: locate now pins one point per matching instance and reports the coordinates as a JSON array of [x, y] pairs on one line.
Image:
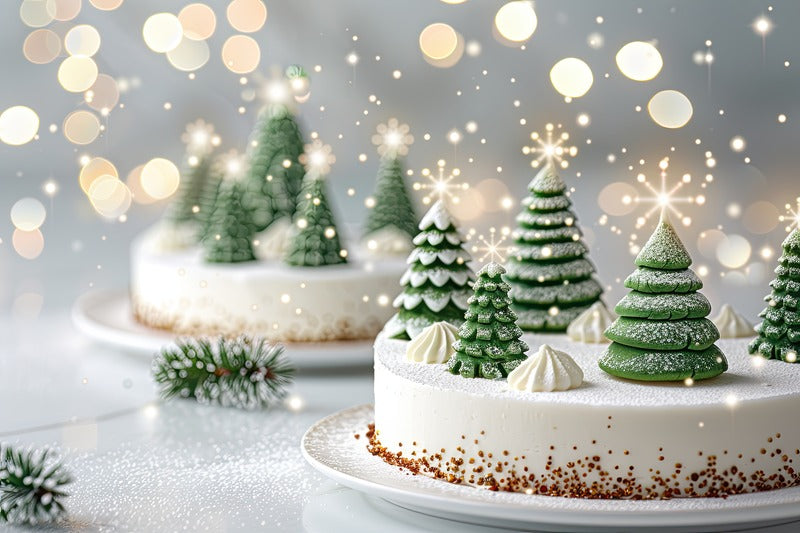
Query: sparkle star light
[[494, 248], [551, 147], [792, 216], [392, 139], [199, 138], [442, 185], [665, 197], [318, 158]]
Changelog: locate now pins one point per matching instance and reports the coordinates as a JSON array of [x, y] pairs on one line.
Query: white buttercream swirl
[[547, 370], [588, 327], [274, 241], [434, 345], [732, 325]]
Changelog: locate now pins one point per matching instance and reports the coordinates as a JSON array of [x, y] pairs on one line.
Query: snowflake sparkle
[[665, 196], [392, 139], [318, 158], [199, 138], [493, 249], [792, 216], [440, 186], [550, 148]]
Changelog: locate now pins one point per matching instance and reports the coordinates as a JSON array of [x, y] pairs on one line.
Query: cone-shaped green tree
[[316, 239], [230, 235], [779, 333], [551, 280], [195, 174], [662, 333], [275, 175], [392, 203], [435, 286], [488, 344], [208, 199]]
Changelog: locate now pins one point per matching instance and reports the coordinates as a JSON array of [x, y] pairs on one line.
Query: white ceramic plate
[[330, 446], [105, 316]]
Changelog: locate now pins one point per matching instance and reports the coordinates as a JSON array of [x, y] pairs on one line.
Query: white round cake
[[179, 292], [608, 438]]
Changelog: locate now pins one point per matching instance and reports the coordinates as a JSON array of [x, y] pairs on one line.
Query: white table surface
[[144, 465]]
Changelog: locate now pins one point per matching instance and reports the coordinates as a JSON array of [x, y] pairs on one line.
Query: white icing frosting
[[387, 241], [437, 216], [589, 326], [547, 370], [434, 345], [167, 237], [732, 325], [274, 241]]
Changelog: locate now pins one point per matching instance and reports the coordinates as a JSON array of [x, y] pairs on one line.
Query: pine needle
[[31, 486]]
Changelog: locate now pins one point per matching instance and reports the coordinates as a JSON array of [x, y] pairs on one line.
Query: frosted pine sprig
[[32, 485], [247, 373]]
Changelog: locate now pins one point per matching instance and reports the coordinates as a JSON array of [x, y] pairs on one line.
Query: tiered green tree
[[662, 333], [275, 174], [393, 207], [229, 239], [194, 177], [488, 344], [208, 198], [551, 279], [316, 239], [435, 286], [779, 333]]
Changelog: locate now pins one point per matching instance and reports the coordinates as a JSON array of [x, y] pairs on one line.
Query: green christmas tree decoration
[[225, 167], [229, 238], [197, 166], [779, 333], [275, 174], [32, 486], [551, 280], [488, 344], [316, 239], [393, 207], [435, 286], [662, 333], [247, 373]]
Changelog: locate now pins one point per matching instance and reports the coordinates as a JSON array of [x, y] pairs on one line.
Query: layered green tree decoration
[[229, 238], [393, 208], [488, 344], [316, 240], [779, 333], [551, 280], [662, 333], [32, 486], [228, 166], [435, 286], [275, 174], [197, 168]]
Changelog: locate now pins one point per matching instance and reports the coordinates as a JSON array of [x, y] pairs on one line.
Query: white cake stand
[[330, 446], [106, 317]]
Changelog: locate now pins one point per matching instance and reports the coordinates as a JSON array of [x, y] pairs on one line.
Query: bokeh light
[[470, 205], [28, 214], [103, 95], [708, 241], [41, 46], [198, 21], [734, 251], [134, 183], [438, 41], [189, 55], [493, 192], [515, 22], [761, 217], [670, 109], [247, 16], [81, 127], [618, 199], [160, 178], [18, 125], [28, 244], [92, 171], [738, 144], [639, 61], [162, 32], [106, 5], [66, 9], [37, 13], [82, 39], [241, 54], [77, 73], [109, 196], [571, 77]]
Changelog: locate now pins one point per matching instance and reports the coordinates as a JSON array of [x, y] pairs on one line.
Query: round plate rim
[[413, 497], [145, 341]]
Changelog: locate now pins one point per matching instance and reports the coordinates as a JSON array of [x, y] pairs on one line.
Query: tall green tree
[[230, 234], [488, 344], [662, 333], [779, 333], [435, 286], [551, 280], [316, 238], [393, 208]]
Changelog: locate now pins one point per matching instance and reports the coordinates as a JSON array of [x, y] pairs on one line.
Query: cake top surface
[[749, 378]]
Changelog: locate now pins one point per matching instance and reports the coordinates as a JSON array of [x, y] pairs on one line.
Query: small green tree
[[551, 280], [194, 177], [662, 333], [488, 344], [435, 286], [316, 240], [392, 203], [230, 235], [779, 333], [208, 199], [275, 174]]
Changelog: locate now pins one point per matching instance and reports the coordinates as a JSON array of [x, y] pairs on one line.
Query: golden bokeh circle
[[66, 9], [639, 61], [28, 214], [438, 40], [95, 168], [670, 109], [134, 183], [247, 16], [77, 73], [103, 95], [162, 32], [81, 127], [28, 244], [41, 46], [109, 196], [160, 178], [83, 40], [106, 5], [571, 77], [37, 13], [189, 55], [241, 54], [18, 125], [516, 21], [198, 21]]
